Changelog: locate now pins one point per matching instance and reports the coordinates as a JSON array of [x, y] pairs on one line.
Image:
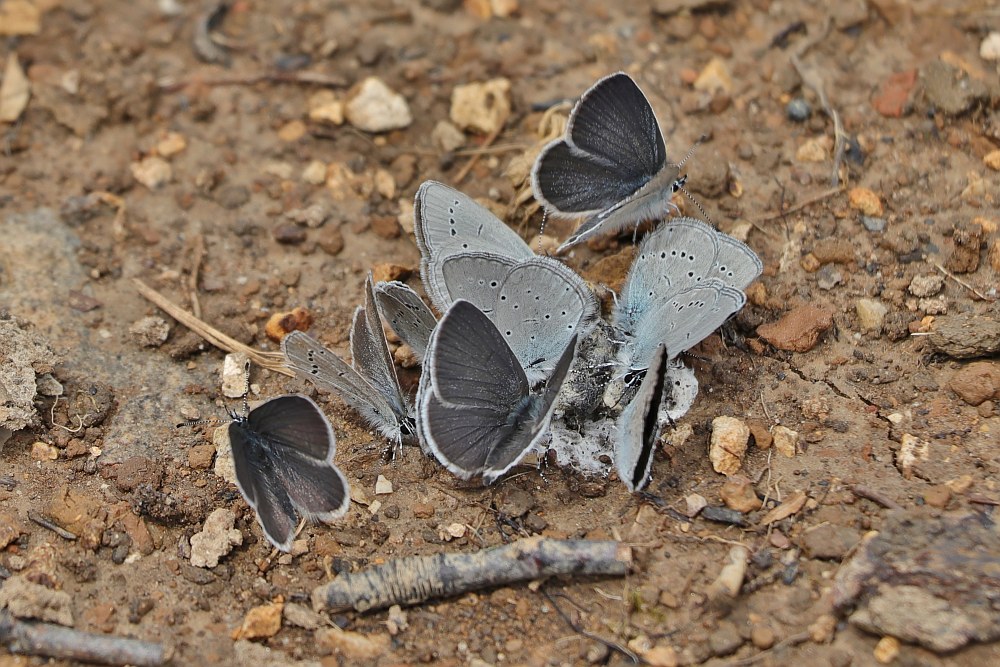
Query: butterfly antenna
[[541, 229], [213, 422], [701, 209], [246, 388], [702, 139]]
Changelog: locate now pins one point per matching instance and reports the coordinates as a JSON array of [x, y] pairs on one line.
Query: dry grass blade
[[271, 360], [811, 78]]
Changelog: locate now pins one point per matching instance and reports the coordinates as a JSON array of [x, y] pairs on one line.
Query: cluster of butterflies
[[520, 356]]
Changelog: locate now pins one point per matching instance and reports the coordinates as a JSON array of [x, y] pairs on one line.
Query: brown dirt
[[871, 407]]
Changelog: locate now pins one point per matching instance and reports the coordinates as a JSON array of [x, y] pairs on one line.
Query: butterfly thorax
[[653, 200], [261, 449], [650, 202]]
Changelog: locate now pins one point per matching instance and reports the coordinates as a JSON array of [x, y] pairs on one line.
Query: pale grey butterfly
[[369, 384], [611, 166], [686, 280], [479, 414]]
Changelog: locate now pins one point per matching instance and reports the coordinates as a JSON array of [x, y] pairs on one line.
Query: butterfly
[[283, 453], [479, 415], [369, 384], [686, 280], [610, 169]]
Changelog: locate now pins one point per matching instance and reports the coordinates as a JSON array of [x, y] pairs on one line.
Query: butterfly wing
[[679, 396], [407, 314], [461, 438], [639, 425], [613, 147], [685, 251], [532, 423], [683, 321], [260, 487], [571, 183], [478, 414], [542, 304], [447, 222], [473, 367], [316, 488], [295, 422], [476, 277], [614, 121], [736, 264], [680, 254], [311, 361], [371, 357]]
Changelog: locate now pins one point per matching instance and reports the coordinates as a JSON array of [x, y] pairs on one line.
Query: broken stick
[[407, 581], [274, 361], [54, 641]]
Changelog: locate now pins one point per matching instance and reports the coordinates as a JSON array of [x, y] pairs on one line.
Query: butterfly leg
[[393, 451]]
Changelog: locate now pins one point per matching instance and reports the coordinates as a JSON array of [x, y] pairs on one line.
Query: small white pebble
[[234, 377], [382, 486]]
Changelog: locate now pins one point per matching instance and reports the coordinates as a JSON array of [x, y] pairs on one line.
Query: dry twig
[[798, 207], [45, 522], [876, 497], [961, 282], [54, 641], [197, 256], [407, 581], [793, 640], [575, 627], [474, 160], [271, 360], [169, 85], [813, 79]]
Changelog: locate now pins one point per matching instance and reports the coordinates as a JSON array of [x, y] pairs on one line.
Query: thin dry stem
[[271, 360]]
